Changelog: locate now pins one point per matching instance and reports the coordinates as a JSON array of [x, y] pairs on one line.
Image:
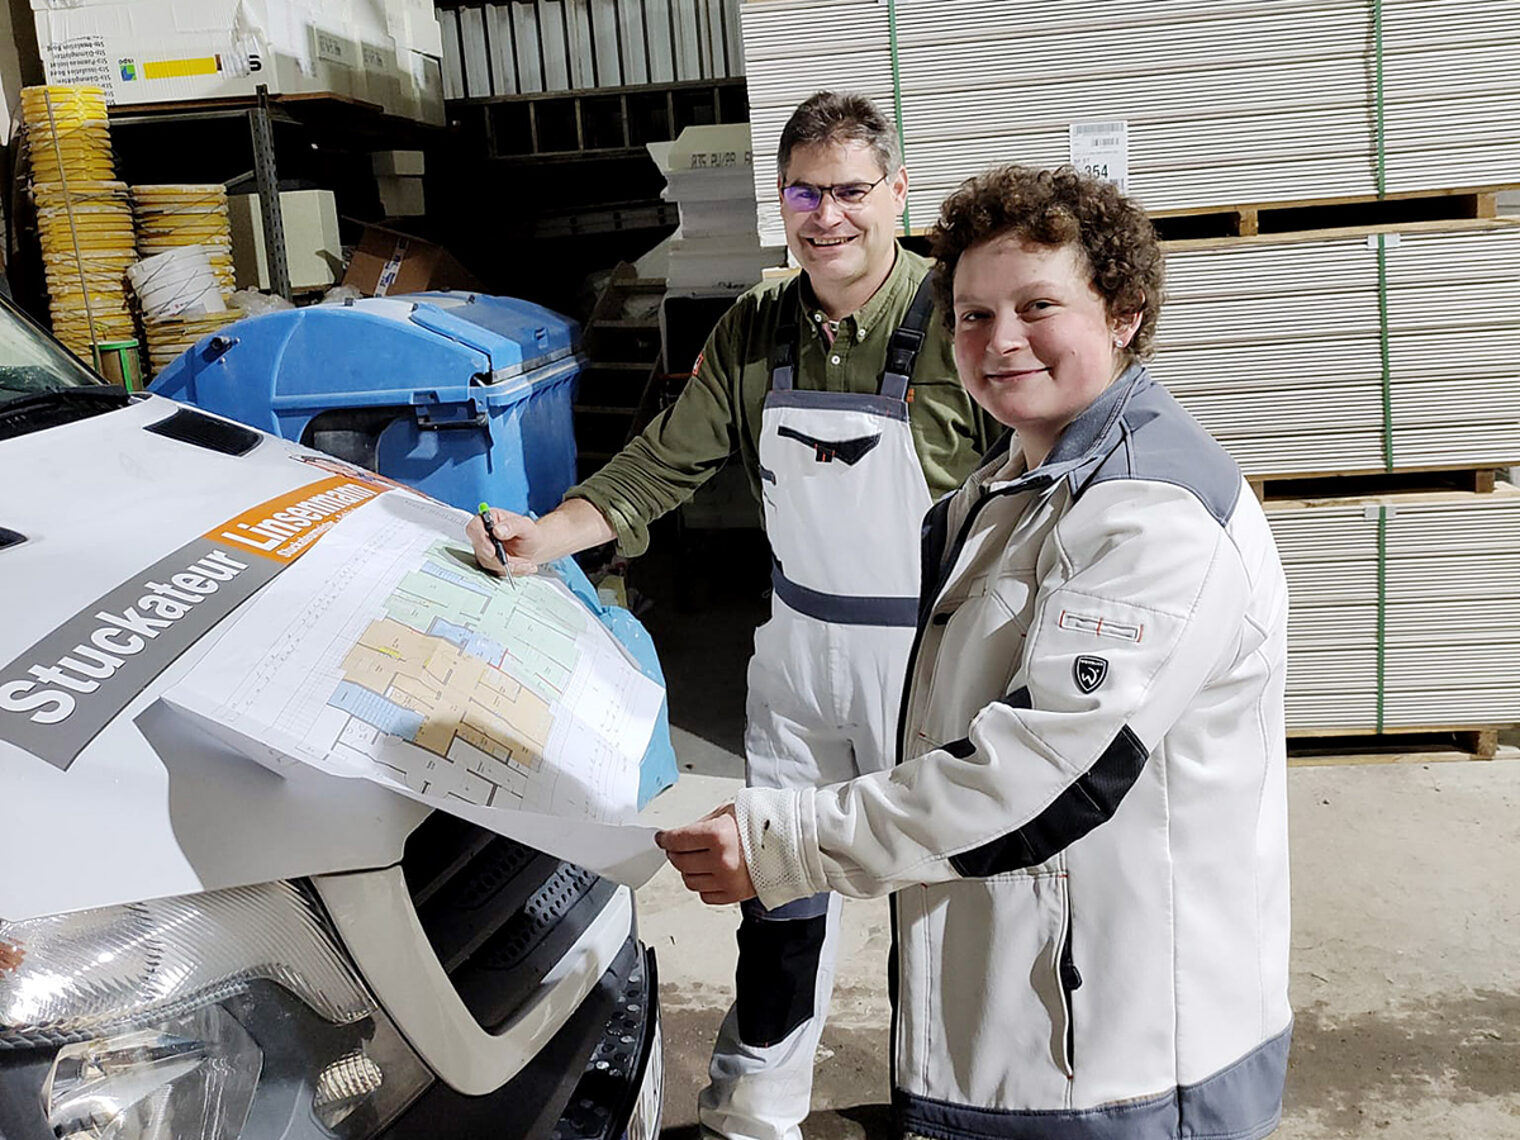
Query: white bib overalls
[[844, 496]]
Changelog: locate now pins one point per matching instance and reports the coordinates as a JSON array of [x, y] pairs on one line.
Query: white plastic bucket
[[177, 282]]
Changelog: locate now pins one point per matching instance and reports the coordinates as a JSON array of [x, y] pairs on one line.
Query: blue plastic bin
[[464, 396]]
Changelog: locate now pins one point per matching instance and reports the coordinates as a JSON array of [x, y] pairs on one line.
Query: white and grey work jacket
[[1087, 830]]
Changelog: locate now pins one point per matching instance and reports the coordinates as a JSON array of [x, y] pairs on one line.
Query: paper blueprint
[[386, 653]]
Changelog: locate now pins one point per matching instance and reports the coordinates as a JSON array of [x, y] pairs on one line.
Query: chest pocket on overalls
[[846, 451]]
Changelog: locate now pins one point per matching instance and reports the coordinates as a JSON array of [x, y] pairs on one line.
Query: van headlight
[[196, 1018]]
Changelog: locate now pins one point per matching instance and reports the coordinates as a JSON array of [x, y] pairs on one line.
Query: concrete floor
[[1406, 941]]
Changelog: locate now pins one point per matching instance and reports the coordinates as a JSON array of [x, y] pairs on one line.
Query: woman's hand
[[710, 857]]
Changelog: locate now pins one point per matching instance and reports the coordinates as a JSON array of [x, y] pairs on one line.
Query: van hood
[[135, 537]]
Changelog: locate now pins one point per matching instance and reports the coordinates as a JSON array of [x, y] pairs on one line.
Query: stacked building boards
[[709, 174], [1225, 104], [1303, 357], [1317, 354], [1276, 347], [1447, 614]]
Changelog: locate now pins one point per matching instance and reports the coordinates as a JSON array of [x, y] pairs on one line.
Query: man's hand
[[519, 536], [571, 527], [710, 857]]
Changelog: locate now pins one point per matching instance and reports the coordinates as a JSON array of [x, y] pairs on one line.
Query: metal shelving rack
[[318, 115]]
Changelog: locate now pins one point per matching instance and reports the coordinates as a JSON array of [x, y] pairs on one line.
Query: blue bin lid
[[277, 370], [517, 336]]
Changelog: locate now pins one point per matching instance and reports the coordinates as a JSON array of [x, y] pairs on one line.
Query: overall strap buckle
[[907, 339]]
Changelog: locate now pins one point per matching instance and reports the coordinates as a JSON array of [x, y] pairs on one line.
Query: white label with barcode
[[1102, 150]]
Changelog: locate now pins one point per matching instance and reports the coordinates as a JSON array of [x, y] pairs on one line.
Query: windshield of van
[[30, 364], [41, 385]]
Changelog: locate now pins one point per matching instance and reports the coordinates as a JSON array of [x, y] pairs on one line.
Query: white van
[[192, 947]]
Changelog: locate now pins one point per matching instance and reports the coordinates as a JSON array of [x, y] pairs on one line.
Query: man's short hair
[[840, 117]]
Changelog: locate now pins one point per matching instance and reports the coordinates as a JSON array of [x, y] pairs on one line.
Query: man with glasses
[[838, 390]]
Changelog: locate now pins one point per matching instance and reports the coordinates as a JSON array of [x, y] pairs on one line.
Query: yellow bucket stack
[[170, 219], [83, 215], [172, 216], [169, 337]]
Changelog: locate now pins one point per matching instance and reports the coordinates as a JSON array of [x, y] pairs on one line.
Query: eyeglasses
[[805, 197]]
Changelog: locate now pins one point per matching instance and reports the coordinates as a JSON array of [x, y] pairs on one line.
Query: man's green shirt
[[718, 413]]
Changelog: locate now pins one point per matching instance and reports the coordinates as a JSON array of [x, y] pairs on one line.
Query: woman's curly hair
[[1053, 208]]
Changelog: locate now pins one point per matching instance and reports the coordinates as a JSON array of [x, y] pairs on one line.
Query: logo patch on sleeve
[[1100, 626], [1089, 672]]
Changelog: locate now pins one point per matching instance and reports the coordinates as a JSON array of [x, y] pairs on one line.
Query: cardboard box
[[149, 51], [401, 196], [413, 25], [390, 163], [388, 262], [152, 51], [381, 79], [313, 249], [423, 99]]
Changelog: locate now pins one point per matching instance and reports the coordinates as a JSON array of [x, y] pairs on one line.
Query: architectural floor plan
[[385, 652]]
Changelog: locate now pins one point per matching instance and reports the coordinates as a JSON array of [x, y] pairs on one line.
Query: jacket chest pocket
[[980, 647]]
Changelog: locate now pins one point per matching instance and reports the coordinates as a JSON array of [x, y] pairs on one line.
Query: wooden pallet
[[1313, 218], [1336, 233], [1358, 211], [1309, 748], [1367, 482]]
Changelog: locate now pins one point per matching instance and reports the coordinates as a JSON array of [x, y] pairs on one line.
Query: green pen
[[501, 551]]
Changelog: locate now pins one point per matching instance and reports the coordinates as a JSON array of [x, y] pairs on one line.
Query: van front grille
[[497, 913]]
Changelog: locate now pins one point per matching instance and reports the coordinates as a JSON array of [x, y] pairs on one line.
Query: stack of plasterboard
[[1450, 610], [1276, 347], [1226, 104]]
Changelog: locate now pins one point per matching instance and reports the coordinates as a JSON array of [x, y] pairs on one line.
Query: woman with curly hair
[[1086, 833]]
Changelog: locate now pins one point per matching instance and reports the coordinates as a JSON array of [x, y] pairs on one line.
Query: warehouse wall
[[19, 64], [10, 70]]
